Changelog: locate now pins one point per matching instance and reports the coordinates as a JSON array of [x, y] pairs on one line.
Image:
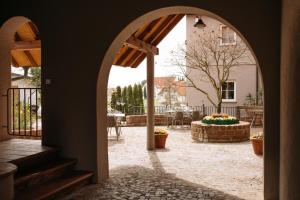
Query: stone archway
[[7, 41], [102, 143]]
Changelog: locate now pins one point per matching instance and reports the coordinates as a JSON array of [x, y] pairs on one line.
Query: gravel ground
[[184, 170]]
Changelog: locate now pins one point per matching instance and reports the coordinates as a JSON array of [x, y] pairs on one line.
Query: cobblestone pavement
[[184, 170]]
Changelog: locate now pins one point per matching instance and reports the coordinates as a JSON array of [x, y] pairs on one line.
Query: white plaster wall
[[244, 75], [245, 78]]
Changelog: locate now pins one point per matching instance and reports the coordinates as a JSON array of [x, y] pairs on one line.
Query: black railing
[[205, 110], [135, 110], [24, 112], [208, 110]]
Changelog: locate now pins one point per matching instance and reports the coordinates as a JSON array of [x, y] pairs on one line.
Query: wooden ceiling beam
[[128, 56], [31, 59], [168, 25], [133, 58], [27, 45], [148, 36], [161, 24], [166, 29], [141, 45], [124, 55], [14, 62], [142, 32], [138, 60], [34, 30]]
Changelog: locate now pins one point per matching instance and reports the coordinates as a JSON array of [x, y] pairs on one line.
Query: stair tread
[[43, 170], [45, 151], [46, 190]]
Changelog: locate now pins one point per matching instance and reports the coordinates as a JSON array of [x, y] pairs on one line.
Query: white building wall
[[244, 75]]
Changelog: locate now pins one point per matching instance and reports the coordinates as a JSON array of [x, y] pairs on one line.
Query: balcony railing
[[24, 112]]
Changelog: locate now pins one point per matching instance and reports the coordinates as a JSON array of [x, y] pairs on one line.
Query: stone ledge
[[7, 169], [159, 120], [141, 120]]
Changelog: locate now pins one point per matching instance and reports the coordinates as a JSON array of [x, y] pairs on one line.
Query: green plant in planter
[[257, 143], [220, 119], [160, 137]]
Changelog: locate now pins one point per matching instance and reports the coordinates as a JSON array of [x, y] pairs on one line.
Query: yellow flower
[[160, 131]]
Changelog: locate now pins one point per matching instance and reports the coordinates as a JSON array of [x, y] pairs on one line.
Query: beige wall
[[244, 75], [245, 78]]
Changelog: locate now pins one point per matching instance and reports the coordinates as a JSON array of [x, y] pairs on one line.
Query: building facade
[[169, 91], [244, 78]]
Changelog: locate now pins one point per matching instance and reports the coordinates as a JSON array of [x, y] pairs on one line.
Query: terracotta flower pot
[[160, 140], [258, 146]]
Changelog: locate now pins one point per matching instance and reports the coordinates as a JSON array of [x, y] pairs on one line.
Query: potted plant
[[258, 143], [160, 138]]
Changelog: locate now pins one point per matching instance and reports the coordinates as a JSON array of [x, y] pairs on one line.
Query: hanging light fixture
[[199, 23]]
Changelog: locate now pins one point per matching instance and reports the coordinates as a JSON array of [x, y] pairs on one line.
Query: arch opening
[[102, 142], [20, 53]]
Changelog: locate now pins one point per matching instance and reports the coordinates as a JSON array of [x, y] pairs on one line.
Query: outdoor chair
[[178, 118], [196, 115], [112, 123], [169, 119]]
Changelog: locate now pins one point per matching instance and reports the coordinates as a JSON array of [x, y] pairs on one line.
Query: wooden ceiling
[[27, 49], [152, 33]]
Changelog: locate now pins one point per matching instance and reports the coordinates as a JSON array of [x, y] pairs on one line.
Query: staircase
[[46, 176]]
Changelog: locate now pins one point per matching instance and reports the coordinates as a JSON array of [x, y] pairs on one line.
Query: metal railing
[[135, 110], [24, 112], [227, 110], [205, 110]]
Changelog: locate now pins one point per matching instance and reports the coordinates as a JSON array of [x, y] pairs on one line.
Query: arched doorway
[[105, 69], [21, 97]]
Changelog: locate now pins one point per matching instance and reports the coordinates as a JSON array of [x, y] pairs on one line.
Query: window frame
[[234, 93], [221, 38]]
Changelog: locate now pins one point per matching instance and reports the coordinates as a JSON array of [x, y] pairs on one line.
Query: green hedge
[[220, 122]]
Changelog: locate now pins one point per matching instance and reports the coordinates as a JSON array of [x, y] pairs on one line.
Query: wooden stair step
[[41, 174], [43, 157], [58, 187]]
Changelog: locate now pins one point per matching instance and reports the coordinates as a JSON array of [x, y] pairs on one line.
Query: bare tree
[[213, 60], [168, 91]]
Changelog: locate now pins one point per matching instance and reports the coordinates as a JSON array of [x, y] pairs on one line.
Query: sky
[[125, 75]]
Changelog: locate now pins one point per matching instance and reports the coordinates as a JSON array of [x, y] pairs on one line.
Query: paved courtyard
[[184, 170]]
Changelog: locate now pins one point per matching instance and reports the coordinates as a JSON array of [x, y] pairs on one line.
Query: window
[[228, 36], [229, 91]]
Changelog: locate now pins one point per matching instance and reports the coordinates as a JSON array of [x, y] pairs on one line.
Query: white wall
[[244, 75]]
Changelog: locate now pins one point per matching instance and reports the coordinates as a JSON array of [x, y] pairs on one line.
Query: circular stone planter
[[202, 132]]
